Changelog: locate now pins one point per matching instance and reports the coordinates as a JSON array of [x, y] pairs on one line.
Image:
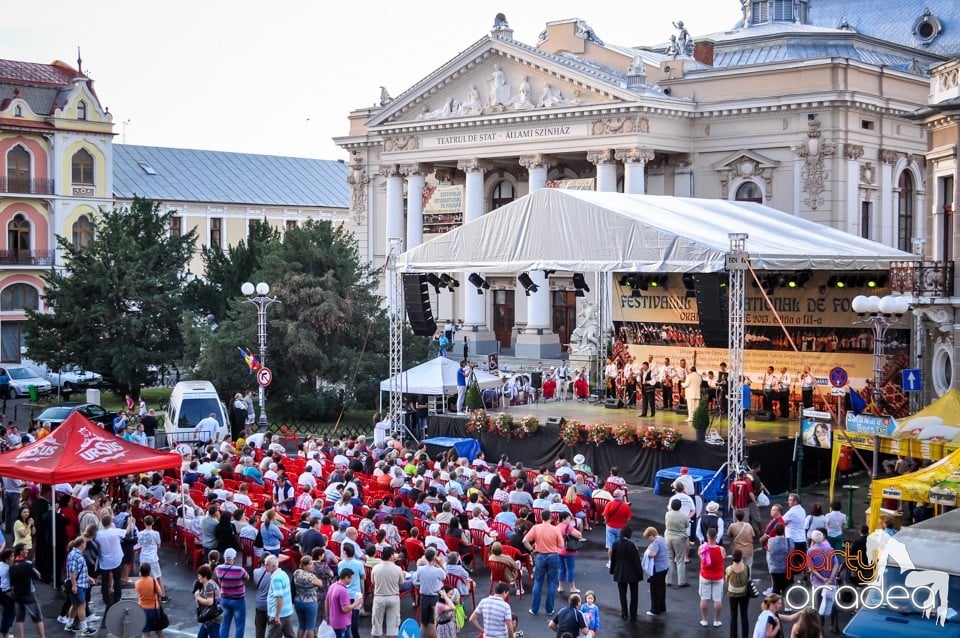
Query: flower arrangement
[[659, 438], [573, 432], [625, 433], [669, 438], [478, 421], [528, 426], [650, 437], [502, 424], [598, 433]]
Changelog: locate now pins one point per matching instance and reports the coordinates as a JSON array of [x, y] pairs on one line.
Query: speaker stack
[[713, 307], [612, 403], [765, 415], [416, 297], [555, 420]]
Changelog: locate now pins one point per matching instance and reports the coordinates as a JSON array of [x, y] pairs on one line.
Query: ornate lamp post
[[879, 313], [261, 300]]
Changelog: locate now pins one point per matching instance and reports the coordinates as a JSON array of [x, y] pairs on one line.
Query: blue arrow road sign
[[912, 380]]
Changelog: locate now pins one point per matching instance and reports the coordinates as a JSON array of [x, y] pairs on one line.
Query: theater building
[[807, 106]]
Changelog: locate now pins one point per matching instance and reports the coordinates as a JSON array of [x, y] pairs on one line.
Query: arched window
[[81, 110], [905, 204], [82, 164], [749, 192], [18, 111], [19, 297], [18, 239], [82, 231], [18, 170], [502, 194]]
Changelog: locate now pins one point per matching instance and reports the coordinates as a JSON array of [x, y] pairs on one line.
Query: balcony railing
[[922, 278], [28, 186], [27, 257]]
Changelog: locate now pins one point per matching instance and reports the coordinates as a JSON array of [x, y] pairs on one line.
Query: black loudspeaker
[[714, 309], [763, 415], [416, 297], [555, 420], [612, 403]]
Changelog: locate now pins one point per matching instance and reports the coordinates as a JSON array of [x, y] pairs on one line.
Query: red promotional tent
[[81, 450]]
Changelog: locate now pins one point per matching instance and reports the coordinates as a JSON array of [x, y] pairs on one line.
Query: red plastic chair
[[247, 550], [193, 550], [524, 559], [479, 545], [498, 574], [598, 506], [414, 549], [452, 580], [501, 529]]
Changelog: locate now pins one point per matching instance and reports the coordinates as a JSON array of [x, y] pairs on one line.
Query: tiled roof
[[187, 175], [807, 50], [56, 74], [892, 20]]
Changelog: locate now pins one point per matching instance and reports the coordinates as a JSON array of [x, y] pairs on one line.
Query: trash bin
[[34, 396], [93, 396]]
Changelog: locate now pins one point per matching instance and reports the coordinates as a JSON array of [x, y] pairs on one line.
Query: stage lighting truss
[[527, 283], [642, 282], [479, 282]]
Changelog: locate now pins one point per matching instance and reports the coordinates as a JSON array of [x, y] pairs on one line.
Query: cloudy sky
[[279, 78]]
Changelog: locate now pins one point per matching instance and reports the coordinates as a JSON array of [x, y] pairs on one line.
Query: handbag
[[160, 619], [763, 500], [571, 543], [752, 590], [207, 613]]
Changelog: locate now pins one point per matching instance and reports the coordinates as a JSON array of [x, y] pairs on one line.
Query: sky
[[280, 78]]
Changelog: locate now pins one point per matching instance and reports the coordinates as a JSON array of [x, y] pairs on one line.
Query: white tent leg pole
[[53, 531]]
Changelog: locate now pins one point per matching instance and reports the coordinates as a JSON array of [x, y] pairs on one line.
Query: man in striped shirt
[[233, 594], [79, 587], [496, 613]]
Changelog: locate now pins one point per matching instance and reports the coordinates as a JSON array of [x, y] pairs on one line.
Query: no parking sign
[[264, 376]]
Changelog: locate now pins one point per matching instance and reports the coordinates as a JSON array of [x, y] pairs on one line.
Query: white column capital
[[418, 168], [537, 160], [390, 170], [474, 165], [635, 154], [604, 156], [680, 160]]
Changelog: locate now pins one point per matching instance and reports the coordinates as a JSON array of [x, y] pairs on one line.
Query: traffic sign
[[837, 392], [912, 380], [838, 377], [264, 376]]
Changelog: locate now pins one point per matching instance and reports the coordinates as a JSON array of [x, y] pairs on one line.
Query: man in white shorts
[[149, 541]]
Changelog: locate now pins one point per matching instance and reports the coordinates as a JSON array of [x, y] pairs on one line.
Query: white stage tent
[[586, 231], [436, 377]]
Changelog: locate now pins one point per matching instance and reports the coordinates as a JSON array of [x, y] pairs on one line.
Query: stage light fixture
[[624, 280], [479, 282], [527, 283], [636, 292], [434, 281], [547, 273], [449, 282], [580, 283], [836, 281], [688, 282]]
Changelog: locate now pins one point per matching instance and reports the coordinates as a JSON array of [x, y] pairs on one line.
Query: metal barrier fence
[[171, 440]]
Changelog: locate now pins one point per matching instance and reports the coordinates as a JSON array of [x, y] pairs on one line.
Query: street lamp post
[[879, 313], [258, 296]]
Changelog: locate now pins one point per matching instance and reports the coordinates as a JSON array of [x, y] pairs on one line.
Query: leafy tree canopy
[[116, 307], [327, 338]]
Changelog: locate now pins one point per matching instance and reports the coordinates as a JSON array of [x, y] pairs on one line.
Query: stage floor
[[757, 431]]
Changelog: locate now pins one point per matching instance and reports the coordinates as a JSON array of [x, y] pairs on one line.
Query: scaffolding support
[[737, 265], [395, 314]]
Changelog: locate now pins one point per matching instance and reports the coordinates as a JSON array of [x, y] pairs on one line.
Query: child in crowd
[[591, 613]]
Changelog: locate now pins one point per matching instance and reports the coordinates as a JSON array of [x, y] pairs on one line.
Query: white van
[[190, 402]]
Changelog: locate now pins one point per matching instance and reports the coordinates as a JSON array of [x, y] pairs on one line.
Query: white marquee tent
[[586, 231], [436, 377]]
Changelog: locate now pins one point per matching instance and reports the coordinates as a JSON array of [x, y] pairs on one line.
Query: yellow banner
[[442, 208]]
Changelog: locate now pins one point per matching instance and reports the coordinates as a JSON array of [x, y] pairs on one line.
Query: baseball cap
[[229, 553], [344, 524], [87, 502]]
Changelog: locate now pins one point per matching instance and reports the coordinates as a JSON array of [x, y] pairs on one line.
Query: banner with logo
[[442, 208], [663, 320], [583, 184]]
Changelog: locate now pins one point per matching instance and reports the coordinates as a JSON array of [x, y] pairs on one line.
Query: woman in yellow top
[[23, 530]]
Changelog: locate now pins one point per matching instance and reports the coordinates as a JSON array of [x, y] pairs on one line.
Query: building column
[[634, 169], [416, 175], [474, 305], [887, 216], [854, 155], [538, 340], [606, 170], [682, 174]]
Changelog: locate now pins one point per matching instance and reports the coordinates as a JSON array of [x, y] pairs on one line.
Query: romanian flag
[[250, 359]]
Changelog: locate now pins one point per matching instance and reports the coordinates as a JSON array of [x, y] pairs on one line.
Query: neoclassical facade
[[813, 118], [55, 174]]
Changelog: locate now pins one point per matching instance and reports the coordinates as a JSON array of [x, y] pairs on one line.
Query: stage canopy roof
[[587, 231], [437, 376]]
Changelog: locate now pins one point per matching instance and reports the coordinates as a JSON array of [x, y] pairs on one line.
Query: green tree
[[327, 339], [116, 307]]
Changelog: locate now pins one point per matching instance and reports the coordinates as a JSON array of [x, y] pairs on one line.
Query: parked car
[[22, 377], [70, 379], [59, 413]]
